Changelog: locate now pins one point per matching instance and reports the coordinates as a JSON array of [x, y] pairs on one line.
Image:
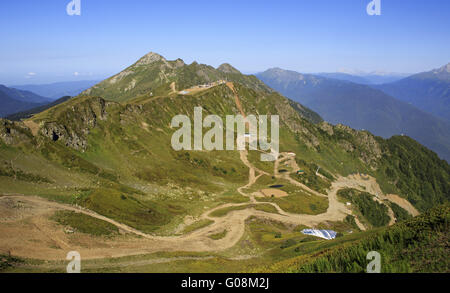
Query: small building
[[300, 172]]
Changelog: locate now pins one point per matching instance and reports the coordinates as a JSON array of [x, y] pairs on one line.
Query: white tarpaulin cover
[[325, 234]]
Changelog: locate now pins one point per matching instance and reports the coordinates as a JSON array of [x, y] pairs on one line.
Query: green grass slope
[[116, 158], [416, 245]]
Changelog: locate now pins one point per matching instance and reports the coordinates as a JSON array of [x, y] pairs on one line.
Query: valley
[[197, 241]]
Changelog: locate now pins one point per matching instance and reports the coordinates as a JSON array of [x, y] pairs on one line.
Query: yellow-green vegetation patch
[[307, 175], [300, 203], [263, 182], [268, 208], [254, 157], [343, 227], [7, 170], [144, 215], [261, 207], [84, 223], [274, 235], [232, 196], [213, 264], [197, 225], [218, 236]]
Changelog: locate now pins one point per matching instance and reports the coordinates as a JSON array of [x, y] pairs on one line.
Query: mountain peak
[[154, 75], [442, 73], [284, 74], [150, 58], [445, 68], [279, 70], [275, 69], [227, 68]]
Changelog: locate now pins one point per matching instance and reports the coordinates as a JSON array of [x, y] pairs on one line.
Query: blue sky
[[41, 43]]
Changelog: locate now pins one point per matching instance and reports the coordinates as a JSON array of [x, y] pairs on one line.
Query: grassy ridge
[[145, 79], [416, 245]]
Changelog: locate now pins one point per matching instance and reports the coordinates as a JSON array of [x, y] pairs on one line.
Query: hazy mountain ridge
[[429, 91], [372, 78], [30, 112], [58, 90], [346, 77], [13, 100], [361, 107]]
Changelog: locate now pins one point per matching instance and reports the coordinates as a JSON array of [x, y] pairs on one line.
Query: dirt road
[[31, 234], [197, 241], [236, 98]]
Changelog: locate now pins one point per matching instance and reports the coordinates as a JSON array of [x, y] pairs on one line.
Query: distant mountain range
[[13, 100], [345, 77], [361, 107], [429, 91], [22, 101], [57, 90], [17, 116], [365, 78]]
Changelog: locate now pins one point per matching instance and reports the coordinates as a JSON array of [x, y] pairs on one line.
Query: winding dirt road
[[137, 242]]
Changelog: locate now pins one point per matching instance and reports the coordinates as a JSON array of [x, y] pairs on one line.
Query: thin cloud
[[30, 74]]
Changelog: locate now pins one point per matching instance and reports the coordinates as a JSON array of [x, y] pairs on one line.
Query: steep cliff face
[[14, 133], [69, 123], [72, 123], [362, 142]]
